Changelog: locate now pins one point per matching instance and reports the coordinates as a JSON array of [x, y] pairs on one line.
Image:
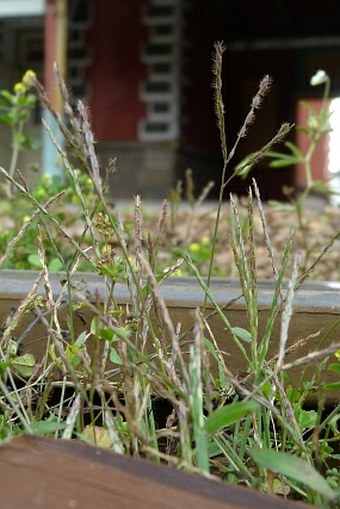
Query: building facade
[[144, 68]]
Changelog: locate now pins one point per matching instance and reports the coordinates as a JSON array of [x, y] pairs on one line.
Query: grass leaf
[[228, 414], [294, 468]]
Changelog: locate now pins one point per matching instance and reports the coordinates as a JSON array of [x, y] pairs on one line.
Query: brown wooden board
[[316, 308], [39, 472]]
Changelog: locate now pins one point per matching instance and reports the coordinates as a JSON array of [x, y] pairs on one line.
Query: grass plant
[[316, 130], [132, 379]]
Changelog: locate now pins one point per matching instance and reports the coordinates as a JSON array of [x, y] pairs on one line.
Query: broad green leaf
[[47, 427], [334, 367], [35, 261], [242, 334], [214, 449], [107, 334], [24, 364], [72, 353], [7, 95], [293, 394], [229, 414], [294, 468], [115, 357], [306, 418], [81, 339], [55, 265]]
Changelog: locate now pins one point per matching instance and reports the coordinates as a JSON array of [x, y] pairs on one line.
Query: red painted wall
[[117, 38], [319, 161]]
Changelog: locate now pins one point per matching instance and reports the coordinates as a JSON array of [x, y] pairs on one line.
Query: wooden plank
[[39, 472], [316, 308]]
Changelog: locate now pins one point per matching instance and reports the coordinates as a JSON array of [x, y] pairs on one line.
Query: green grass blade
[[196, 397], [293, 468], [229, 414]]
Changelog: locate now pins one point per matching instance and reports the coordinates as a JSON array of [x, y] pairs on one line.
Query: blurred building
[[143, 66]]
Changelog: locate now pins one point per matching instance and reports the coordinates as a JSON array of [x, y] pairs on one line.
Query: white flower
[[319, 78]]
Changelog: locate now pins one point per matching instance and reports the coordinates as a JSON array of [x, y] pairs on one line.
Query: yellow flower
[[106, 248], [46, 178], [194, 247], [19, 88], [177, 273], [40, 194], [26, 83], [28, 79]]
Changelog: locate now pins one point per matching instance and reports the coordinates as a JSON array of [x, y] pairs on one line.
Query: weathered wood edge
[[184, 291], [35, 470]]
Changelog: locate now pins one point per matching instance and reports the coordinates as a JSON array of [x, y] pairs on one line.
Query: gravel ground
[[321, 224], [192, 229]]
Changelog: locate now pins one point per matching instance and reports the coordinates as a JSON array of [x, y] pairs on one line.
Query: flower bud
[[28, 78], [319, 78]]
